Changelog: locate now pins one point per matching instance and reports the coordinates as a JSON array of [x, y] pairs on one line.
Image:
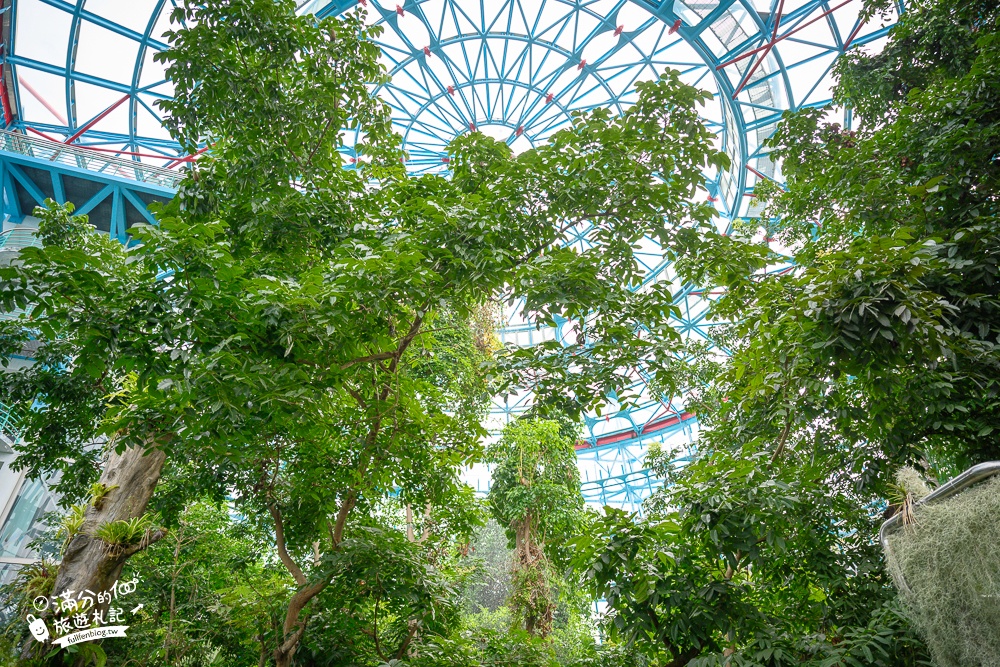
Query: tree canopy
[[292, 368], [876, 349], [304, 336]]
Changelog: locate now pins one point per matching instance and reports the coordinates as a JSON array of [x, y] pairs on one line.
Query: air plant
[[120, 535], [72, 522], [99, 492], [908, 490]]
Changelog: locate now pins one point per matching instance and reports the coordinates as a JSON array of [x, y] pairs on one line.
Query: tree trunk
[[531, 580], [295, 624], [168, 637], [86, 564], [262, 661]]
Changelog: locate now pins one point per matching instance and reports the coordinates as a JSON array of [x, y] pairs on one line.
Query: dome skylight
[[82, 71]]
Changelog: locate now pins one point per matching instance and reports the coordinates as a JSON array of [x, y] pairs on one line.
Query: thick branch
[[294, 628], [405, 342], [345, 509], [293, 640], [358, 398], [329, 530], [730, 570], [279, 537], [371, 357], [781, 441], [295, 607], [406, 642], [352, 496], [150, 538]]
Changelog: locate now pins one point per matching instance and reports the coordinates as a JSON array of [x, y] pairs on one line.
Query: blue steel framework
[[514, 69], [114, 192]]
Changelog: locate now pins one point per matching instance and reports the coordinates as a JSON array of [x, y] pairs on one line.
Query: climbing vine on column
[[535, 495]]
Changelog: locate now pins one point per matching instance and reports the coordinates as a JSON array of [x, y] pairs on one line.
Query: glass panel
[[24, 522], [7, 573]]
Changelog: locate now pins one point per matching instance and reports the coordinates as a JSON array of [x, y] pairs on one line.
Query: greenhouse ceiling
[[83, 73]]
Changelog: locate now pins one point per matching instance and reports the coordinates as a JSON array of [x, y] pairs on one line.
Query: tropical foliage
[[877, 349], [311, 347], [264, 403]]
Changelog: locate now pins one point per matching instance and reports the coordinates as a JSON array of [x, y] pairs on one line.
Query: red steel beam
[[82, 130], [854, 34], [189, 158], [660, 400], [785, 36], [770, 45], [38, 96], [120, 152], [43, 135], [8, 114], [629, 434], [95, 120]]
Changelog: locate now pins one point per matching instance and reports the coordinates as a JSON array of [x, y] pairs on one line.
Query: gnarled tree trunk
[[532, 594], [87, 564]]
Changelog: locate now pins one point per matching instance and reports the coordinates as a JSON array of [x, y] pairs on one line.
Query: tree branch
[[279, 538], [293, 640], [149, 539], [409, 638], [371, 357], [781, 442], [345, 509], [358, 398], [308, 592], [378, 647], [730, 570], [405, 342], [329, 530]]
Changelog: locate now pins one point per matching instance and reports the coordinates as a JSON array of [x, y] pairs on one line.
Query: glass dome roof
[[82, 72]]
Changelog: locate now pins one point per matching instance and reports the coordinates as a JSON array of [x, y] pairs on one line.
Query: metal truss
[[519, 69], [80, 73], [114, 192], [614, 472], [10, 428], [61, 89]]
